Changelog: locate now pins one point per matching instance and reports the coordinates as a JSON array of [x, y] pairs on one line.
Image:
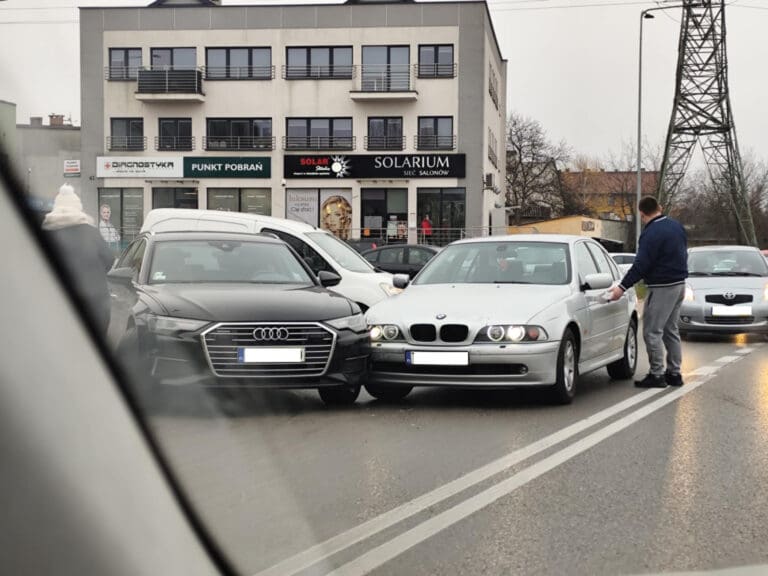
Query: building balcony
[[126, 143], [436, 70], [317, 143], [238, 143], [385, 82], [385, 142], [319, 72], [435, 142], [161, 84], [239, 72], [175, 143], [121, 73]]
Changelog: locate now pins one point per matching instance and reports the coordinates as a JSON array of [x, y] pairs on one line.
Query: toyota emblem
[[271, 334], [729, 295]]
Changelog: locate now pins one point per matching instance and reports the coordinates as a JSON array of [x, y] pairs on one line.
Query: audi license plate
[[264, 355], [732, 311], [437, 358]]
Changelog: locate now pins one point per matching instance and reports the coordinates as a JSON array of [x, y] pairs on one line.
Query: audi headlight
[[500, 333], [170, 325], [387, 332], [689, 293], [355, 323], [390, 290]]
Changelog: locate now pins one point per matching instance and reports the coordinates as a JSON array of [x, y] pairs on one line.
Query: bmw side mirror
[[597, 281], [328, 279], [401, 280]]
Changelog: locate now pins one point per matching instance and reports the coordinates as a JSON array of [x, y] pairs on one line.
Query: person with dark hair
[[662, 262]]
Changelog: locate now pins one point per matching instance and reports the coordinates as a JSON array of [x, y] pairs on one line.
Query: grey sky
[[572, 67]]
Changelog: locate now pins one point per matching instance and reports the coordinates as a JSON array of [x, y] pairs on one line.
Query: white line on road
[[743, 350], [705, 370], [315, 554], [393, 548]]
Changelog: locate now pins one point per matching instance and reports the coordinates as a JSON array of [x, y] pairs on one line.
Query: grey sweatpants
[[661, 315]]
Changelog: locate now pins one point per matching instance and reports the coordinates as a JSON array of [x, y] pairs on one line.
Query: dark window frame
[[265, 72], [394, 77], [435, 141], [435, 69], [249, 142], [126, 74], [184, 143], [334, 71], [239, 190], [132, 142], [388, 142], [172, 49], [306, 142]]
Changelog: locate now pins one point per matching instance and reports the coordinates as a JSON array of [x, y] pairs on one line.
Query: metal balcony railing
[[127, 143], [386, 78], [169, 81], [384, 142], [239, 142], [175, 143], [318, 142], [239, 72], [435, 142], [121, 72], [435, 70], [493, 90], [493, 156], [335, 72]]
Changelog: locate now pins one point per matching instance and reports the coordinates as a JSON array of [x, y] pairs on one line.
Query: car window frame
[[279, 233], [581, 274]]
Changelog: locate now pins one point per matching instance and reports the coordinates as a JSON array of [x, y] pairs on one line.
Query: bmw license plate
[[732, 311], [416, 358], [264, 355]]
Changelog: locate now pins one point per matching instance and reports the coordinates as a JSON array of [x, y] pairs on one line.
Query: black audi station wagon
[[234, 310]]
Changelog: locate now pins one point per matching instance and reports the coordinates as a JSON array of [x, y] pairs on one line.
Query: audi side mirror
[[328, 279]]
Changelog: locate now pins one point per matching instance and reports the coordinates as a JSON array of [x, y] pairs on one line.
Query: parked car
[[726, 292], [524, 310], [624, 260], [363, 245], [401, 258], [322, 250], [234, 310]]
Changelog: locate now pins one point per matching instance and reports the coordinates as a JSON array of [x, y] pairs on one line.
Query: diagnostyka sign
[[376, 166], [138, 167], [227, 167]]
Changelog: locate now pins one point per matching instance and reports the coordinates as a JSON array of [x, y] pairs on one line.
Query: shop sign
[[139, 167], [375, 166], [227, 167], [71, 168]]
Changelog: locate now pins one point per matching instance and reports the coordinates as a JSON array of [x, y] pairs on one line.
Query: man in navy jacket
[[662, 262]]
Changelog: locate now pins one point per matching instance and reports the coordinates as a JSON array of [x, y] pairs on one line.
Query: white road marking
[[393, 548], [727, 359], [705, 370], [743, 350], [315, 554]]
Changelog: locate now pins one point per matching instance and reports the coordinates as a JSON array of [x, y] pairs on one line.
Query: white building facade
[[362, 118]]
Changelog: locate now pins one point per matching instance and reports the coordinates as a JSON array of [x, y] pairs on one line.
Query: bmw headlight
[[170, 325], [355, 323], [390, 290], [501, 333], [384, 332]]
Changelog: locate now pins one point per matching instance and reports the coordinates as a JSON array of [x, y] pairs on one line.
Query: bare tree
[[533, 163]]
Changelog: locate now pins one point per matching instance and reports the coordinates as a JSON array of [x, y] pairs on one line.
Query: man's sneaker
[[673, 379], [652, 381]]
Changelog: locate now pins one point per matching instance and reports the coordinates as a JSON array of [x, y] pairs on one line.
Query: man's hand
[[616, 292]]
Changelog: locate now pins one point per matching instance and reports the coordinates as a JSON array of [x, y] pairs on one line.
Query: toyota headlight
[[385, 332], [355, 323], [390, 290], [169, 325], [765, 293], [500, 333], [688, 294]]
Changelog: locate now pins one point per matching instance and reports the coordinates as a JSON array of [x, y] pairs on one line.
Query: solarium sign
[[376, 166]]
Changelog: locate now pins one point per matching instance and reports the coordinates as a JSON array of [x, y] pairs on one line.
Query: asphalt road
[[623, 481]]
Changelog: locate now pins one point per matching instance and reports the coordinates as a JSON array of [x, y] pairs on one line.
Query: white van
[[321, 249]]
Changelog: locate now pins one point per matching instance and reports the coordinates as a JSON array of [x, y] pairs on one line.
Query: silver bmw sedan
[[504, 311]]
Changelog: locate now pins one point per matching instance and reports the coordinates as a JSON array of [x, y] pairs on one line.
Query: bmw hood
[[249, 302], [473, 304]]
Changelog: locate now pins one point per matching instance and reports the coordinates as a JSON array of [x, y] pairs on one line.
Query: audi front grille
[[222, 342]]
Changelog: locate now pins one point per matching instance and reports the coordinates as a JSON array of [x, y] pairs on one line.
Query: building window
[[493, 146], [175, 134], [251, 200], [384, 213], [436, 61], [174, 58], [435, 133], [126, 134], [385, 134], [124, 63], [121, 214], [238, 64], [174, 198], [386, 69], [318, 62], [319, 134], [446, 208], [330, 208], [493, 85], [239, 134]]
